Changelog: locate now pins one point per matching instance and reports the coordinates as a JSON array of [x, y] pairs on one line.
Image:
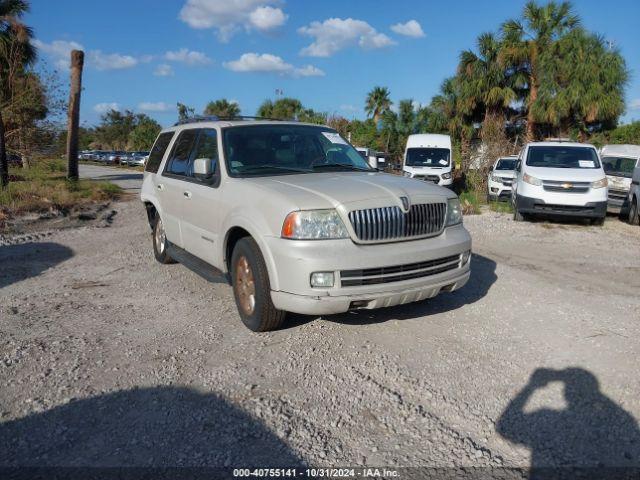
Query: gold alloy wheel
[[245, 286], [160, 237]]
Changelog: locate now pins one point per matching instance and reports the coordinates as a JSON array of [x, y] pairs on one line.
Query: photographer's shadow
[[591, 432]]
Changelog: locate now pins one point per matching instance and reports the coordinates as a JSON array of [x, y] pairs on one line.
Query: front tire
[[634, 213], [160, 242], [518, 216], [252, 289]]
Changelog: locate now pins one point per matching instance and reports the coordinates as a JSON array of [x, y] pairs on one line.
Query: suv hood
[[351, 189], [566, 174]]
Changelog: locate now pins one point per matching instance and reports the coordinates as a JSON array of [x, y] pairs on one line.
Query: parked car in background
[[634, 197], [137, 158], [560, 179], [315, 232], [374, 158], [428, 157], [114, 157], [619, 162], [500, 178]]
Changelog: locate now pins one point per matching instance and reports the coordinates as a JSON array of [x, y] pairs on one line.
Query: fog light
[[464, 257], [322, 279]]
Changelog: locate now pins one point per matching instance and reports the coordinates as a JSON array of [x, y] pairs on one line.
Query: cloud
[[111, 61], [189, 57], [410, 29], [106, 106], [267, 63], [163, 70], [155, 107], [635, 104], [59, 50], [348, 108], [335, 34], [229, 16]]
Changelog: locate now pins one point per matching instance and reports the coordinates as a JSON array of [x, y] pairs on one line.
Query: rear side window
[[157, 152], [178, 162]]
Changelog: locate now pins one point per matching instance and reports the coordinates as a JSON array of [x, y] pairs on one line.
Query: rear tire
[[160, 242], [252, 289], [634, 213]]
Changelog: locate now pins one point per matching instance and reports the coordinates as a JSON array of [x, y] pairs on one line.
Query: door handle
[[160, 186], [187, 194]]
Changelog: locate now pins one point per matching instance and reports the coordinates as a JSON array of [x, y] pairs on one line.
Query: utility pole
[[77, 62]]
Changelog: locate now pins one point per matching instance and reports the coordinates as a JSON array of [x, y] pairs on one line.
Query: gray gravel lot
[[109, 358]]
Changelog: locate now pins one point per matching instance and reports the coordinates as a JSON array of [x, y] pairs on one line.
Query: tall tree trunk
[[77, 61], [4, 164], [531, 122]]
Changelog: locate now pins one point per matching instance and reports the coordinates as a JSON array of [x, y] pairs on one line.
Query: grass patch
[[43, 187], [501, 207], [470, 203]]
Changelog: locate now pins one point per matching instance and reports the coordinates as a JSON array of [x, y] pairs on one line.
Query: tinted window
[[208, 147], [506, 164], [562, 157], [619, 166], [178, 163], [427, 157], [157, 152], [260, 150]]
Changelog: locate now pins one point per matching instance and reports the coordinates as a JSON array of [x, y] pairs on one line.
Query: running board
[[197, 265]]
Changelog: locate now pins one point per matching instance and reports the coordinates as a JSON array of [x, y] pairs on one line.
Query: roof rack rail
[[216, 118]]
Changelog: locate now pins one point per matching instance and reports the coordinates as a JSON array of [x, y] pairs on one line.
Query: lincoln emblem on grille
[[405, 203], [567, 185]]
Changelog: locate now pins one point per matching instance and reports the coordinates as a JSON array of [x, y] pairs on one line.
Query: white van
[[618, 162], [370, 155], [428, 157], [560, 178]]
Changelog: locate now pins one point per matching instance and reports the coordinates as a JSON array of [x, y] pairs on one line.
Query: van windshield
[[266, 150], [427, 157], [619, 166], [562, 157]]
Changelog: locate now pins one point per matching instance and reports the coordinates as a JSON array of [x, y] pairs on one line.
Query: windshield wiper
[[341, 166], [258, 168]]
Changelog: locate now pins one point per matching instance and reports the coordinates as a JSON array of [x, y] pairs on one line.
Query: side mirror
[[518, 165], [203, 168]]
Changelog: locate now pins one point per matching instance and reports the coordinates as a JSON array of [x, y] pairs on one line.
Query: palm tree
[[487, 85], [378, 102], [524, 42], [282, 109], [222, 108], [582, 84], [16, 53]]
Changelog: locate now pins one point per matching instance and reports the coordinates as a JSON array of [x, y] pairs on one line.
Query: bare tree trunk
[[4, 164], [77, 62]]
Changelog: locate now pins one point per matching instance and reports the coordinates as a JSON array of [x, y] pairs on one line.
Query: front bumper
[[538, 206], [294, 261]]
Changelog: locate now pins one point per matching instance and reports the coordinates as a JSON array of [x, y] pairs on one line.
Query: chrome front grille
[[428, 178], [566, 187], [618, 194], [391, 223]]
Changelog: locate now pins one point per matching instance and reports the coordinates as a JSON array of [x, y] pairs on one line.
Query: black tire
[[517, 216], [160, 242], [634, 213], [598, 221], [256, 310]]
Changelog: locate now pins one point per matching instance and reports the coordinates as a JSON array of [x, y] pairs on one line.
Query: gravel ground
[[109, 358]]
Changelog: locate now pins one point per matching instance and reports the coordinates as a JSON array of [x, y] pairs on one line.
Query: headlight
[[446, 176], [407, 174], [454, 212], [495, 178], [603, 182], [314, 225], [531, 180]]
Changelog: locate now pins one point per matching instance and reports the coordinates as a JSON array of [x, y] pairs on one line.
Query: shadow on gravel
[[159, 427], [27, 260], [483, 275], [591, 432], [121, 176]]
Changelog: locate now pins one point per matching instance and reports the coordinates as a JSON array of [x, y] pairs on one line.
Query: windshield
[[619, 166], [506, 164], [427, 157], [562, 157], [262, 150]]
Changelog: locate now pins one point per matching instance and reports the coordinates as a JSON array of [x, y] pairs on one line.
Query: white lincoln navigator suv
[[297, 221]]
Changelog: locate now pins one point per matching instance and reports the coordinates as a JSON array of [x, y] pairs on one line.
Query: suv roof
[[238, 120], [559, 144]]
